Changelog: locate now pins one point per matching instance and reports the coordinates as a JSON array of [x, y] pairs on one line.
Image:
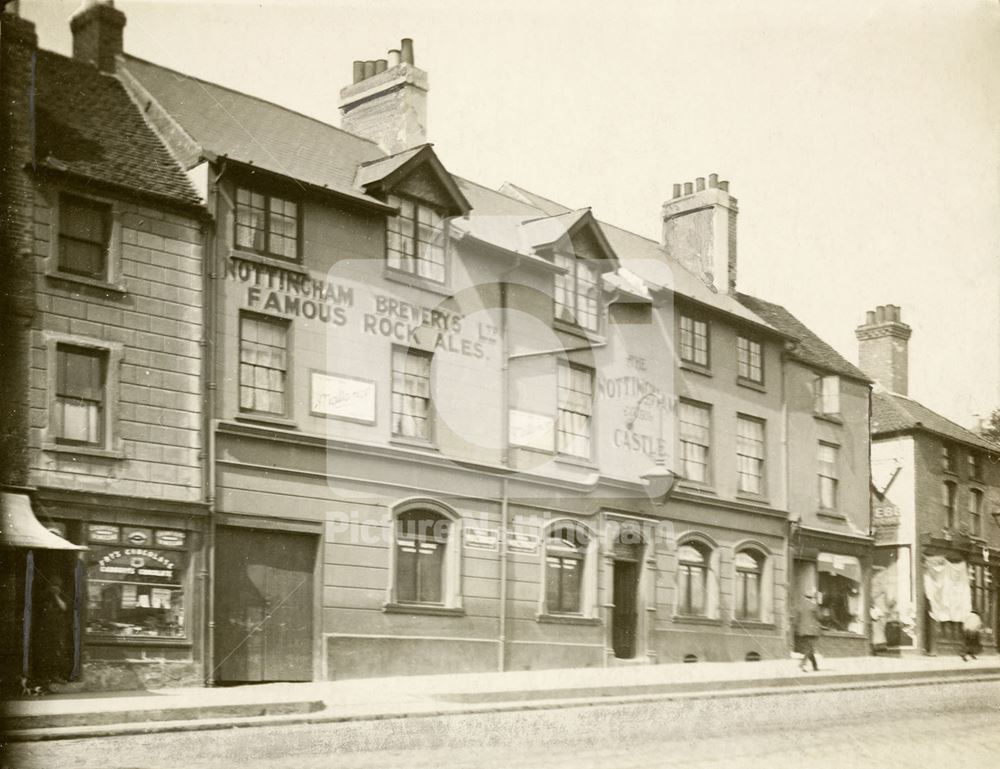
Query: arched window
[[565, 568], [692, 579], [422, 539], [749, 567]]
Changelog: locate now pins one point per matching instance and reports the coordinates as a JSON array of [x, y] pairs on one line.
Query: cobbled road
[[947, 724]]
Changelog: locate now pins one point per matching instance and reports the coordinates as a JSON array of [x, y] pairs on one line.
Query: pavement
[[85, 715]]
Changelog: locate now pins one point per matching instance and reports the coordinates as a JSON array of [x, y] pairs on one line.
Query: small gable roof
[[382, 176], [88, 126], [810, 349], [892, 413]]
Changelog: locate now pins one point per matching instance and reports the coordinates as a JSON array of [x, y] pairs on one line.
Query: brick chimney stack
[[387, 102], [97, 33], [883, 348], [699, 230]]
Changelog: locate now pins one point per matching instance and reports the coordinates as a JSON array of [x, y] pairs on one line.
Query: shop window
[[263, 364], [840, 586], [577, 292], [84, 237], [827, 471], [975, 513], [826, 395], [81, 395], [693, 566], [694, 346], [565, 568], [136, 581], [695, 436], [415, 240], [576, 410], [749, 567], [949, 503], [983, 595], [267, 224], [750, 455], [411, 393], [749, 360], [422, 540]]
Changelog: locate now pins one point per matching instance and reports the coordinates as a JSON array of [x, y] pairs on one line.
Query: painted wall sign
[[519, 542], [481, 539], [342, 397], [535, 431], [136, 564], [170, 538], [102, 533], [137, 536]]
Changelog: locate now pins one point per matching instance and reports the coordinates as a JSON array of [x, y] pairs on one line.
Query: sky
[[861, 138]]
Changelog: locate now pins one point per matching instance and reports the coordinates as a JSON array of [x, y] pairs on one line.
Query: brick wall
[[156, 320]]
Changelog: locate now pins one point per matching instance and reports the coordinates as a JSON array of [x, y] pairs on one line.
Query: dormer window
[[577, 292], [415, 240], [267, 224]]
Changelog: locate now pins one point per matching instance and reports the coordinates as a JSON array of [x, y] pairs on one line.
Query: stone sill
[[694, 368], [415, 281], [92, 452], [262, 419], [567, 619], [682, 619], [420, 608], [751, 384], [112, 290], [835, 419], [291, 265], [96, 639]]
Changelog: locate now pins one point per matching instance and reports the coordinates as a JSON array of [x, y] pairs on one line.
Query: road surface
[[945, 724]]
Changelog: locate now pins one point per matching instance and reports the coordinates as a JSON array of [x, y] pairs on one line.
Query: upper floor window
[[976, 512], [749, 360], [695, 434], [415, 240], [422, 539], [565, 559], [750, 455], [826, 394], [81, 395], [411, 393], [577, 292], [263, 364], [949, 501], [694, 346], [84, 235], [267, 224], [576, 410], [947, 457], [827, 460], [975, 465]]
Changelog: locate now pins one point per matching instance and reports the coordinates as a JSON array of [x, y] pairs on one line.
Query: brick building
[[102, 357], [936, 505], [455, 428]]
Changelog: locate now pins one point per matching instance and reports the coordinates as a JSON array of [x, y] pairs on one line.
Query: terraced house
[[103, 504], [456, 428]]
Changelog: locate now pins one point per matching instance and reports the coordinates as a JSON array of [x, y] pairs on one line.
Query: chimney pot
[[381, 65], [406, 50], [713, 181], [369, 69], [677, 190], [880, 313], [700, 183], [394, 57], [359, 71], [870, 318], [688, 188], [724, 186]]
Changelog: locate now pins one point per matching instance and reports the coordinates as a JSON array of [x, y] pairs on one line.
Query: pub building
[[104, 505], [464, 426]]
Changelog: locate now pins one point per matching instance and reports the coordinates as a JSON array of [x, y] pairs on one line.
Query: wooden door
[[623, 618], [263, 605]]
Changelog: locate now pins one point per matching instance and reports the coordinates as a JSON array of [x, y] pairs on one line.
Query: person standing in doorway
[[807, 629], [972, 626]]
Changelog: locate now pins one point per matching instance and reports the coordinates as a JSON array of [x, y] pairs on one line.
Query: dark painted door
[[263, 605], [623, 618]]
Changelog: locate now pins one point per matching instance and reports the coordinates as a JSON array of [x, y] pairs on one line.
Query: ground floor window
[[983, 595], [841, 592], [692, 579], [421, 546], [565, 554], [749, 574], [136, 581]]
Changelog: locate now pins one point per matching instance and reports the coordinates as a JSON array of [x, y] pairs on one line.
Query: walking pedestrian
[[972, 626], [807, 629]]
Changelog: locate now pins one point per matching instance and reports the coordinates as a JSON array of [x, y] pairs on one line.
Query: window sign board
[[533, 431], [519, 542], [342, 397]]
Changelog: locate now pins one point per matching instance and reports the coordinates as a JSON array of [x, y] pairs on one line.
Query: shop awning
[[20, 528], [840, 565]]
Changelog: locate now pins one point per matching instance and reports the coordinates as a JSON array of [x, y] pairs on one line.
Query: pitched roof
[[88, 126], [224, 122], [810, 349], [892, 413]]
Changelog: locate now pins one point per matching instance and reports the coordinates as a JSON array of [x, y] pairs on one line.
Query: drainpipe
[[209, 420], [793, 527], [502, 633]]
